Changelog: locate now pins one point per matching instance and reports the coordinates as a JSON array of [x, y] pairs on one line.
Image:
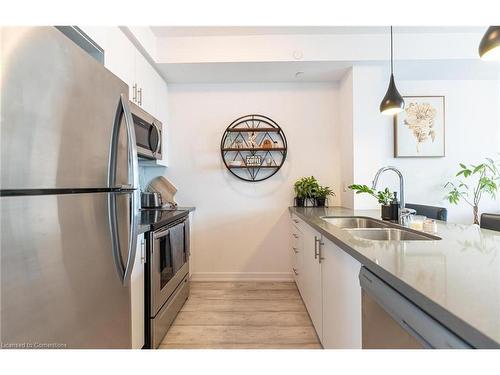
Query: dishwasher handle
[[424, 328]]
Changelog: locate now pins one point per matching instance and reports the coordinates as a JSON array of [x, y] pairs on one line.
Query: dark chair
[[490, 221], [432, 212]]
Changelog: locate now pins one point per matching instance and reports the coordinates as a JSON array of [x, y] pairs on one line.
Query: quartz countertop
[[456, 280]]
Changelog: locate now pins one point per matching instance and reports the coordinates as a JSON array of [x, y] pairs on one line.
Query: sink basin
[[354, 222], [391, 234]]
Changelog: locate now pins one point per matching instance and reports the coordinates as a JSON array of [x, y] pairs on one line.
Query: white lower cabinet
[[296, 256], [328, 283], [137, 294], [341, 298], [311, 277]]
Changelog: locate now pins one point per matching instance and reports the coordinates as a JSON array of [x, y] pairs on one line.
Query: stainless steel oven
[[167, 278], [148, 133]]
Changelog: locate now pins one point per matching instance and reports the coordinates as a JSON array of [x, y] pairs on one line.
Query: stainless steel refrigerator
[[69, 196]]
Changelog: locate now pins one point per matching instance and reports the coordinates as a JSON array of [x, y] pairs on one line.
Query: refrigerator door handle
[[133, 176], [133, 183]]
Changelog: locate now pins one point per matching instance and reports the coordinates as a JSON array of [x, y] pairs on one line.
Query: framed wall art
[[419, 131]]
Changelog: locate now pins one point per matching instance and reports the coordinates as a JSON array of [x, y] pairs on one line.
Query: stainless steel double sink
[[377, 230]]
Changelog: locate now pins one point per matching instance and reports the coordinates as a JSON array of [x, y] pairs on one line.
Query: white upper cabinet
[[119, 57], [147, 88]]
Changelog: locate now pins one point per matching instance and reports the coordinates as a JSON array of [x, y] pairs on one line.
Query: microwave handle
[[158, 144]]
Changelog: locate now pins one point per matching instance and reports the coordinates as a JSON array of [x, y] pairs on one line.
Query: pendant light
[[393, 101], [489, 48]]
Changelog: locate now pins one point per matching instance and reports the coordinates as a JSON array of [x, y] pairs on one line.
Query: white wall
[[242, 228], [472, 133], [346, 137]]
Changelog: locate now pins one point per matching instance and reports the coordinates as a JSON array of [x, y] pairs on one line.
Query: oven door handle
[[161, 234]]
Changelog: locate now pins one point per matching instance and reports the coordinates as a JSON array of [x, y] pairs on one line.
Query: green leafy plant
[[383, 196], [306, 187], [324, 192], [484, 179]]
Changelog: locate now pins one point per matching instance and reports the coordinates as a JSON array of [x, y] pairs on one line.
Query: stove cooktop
[[158, 217]]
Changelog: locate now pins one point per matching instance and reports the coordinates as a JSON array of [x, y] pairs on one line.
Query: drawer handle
[[295, 235], [295, 221], [295, 250], [295, 272]]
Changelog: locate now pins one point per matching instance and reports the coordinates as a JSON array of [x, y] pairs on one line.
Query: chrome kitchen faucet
[[404, 213]]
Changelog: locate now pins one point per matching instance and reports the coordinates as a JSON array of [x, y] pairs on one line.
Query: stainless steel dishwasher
[[390, 321]]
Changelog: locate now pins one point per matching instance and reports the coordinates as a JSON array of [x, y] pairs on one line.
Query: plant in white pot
[[473, 183]]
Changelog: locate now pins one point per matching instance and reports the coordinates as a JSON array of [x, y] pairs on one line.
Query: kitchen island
[[456, 280]]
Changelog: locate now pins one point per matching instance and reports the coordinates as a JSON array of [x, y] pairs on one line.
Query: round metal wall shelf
[[253, 148]]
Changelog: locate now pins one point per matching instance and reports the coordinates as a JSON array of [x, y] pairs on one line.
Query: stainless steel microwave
[[148, 133]]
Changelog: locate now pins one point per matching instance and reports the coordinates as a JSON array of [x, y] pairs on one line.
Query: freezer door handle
[[115, 242]]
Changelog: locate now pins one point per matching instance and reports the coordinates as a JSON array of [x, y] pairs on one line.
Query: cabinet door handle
[[295, 272], [320, 254], [295, 250], [295, 221], [134, 93], [295, 235], [143, 255], [139, 92], [316, 250]]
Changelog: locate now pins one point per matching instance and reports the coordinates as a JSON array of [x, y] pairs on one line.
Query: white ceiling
[[323, 71], [295, 71], [197, 31]]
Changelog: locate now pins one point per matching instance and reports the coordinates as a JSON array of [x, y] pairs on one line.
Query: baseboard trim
[[242, 276]]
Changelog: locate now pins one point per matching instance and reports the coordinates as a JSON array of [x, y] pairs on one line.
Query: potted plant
[[384, 197], [304, 189], [484, 179], [322, 194]]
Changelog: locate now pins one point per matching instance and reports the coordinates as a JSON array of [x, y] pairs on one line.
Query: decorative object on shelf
[[235, 163], [489, 48], [266, 143], [393, 101], [485, 180], [252, 140], [384, 197], [419, 131], [253, 160], [238, 143], [258, 143]]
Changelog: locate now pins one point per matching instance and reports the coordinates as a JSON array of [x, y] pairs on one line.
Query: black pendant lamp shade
[[393, 101], [489, 48]]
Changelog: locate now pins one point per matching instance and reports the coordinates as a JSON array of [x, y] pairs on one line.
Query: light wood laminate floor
[[242, 315]]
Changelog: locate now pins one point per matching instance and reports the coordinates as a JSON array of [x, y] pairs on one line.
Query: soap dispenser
[[395, 208]]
